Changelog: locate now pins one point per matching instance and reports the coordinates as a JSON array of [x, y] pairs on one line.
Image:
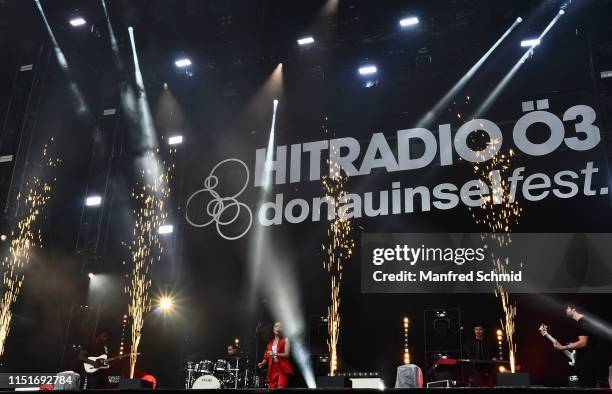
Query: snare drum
[[206, 382]]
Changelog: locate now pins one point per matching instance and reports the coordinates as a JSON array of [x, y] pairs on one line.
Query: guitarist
[[588, 357], [98, 347]]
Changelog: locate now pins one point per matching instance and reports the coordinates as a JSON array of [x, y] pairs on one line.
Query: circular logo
[[223, 211]]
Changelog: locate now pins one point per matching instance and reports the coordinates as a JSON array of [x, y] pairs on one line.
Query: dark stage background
[[219, 108]]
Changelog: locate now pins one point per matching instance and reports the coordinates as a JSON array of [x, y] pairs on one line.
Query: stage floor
[[514, 390]]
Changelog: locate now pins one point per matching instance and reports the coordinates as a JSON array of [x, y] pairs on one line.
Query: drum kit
[[227, 373]]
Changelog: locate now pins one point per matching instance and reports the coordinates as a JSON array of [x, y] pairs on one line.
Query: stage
[[531, 389]]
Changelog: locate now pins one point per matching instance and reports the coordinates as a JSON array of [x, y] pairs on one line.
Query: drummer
[[233, 351]]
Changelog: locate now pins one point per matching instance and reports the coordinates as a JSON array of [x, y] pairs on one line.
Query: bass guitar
[[570, 354]]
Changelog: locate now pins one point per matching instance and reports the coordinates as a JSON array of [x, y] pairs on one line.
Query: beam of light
[[24, 239], [433, 113], [368, 70], [270, 273], [267, 181], [81, 106], [604, 329], [411, 21], [337, 250], [273, 88], [486, 104], [150, 195], [498, 214], [305, 41], [112, 37]]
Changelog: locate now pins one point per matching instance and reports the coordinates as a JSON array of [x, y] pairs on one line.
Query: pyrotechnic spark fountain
[[24, 239], [498, 213], [146, 247], [338, 250]]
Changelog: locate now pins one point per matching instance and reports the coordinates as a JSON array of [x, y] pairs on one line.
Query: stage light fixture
[[183, 62], [165, 229], [306, 40], [3, 237], [368, 70], [93, 201], [532, 42], [166, 303], [78, 21], [411, 21], [606, 74], [91, 275], [175, 140]]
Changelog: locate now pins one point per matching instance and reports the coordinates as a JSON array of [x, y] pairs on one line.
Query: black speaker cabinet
[[134, 384], [512, 380], [333, 382]]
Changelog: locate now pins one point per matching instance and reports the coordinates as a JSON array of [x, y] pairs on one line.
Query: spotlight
[[499, 332], [165, 229], [413, 20], [182, 63], [368, 70], [519, 19], [305, 41], [532, 42], [561, 12], [606, 74], [91, 275], [78, 21], [93, 201], [3, 237], [175, 140], [166, 303]]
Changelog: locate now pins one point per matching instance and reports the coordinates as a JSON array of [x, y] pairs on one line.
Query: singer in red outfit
[[276, 356]]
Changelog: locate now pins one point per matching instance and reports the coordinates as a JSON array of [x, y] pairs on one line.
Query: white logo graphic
[[216, 207]]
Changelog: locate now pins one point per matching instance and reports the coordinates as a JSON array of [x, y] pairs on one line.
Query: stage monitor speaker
[[512, 380], [134, 384], [333, 382]]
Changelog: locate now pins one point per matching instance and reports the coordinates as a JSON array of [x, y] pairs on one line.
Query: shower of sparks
[[146, 247], [498, 213], [336, 251], [23, 240], [509, 310]]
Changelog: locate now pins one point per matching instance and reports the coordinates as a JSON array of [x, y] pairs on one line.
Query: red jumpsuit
[[278, 371]]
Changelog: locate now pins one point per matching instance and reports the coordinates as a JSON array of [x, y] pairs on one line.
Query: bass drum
[[206, 382]]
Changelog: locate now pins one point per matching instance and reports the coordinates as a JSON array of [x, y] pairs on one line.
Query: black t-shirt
[[478, 349], [585, 328]]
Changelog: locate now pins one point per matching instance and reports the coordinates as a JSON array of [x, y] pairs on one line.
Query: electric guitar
[[570, 354], [104, 360]]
